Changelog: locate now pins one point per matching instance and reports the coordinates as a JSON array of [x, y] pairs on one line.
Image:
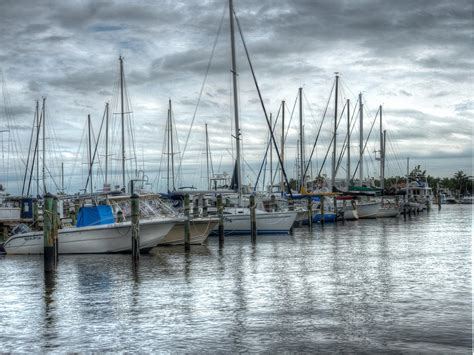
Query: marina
[[229, 177], [371, 286]]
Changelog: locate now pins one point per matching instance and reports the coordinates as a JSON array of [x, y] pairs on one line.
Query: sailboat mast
[[333, 170], [271, 156], [348, 168], [44, 147], [106, 142], [122, 115], [172, 147], [38, 129], [300, 95], [361, 139], [282, 150], [62, 177], [168, 151], [383, 160], [382, 153], [236, 100], [207, 161], [89, 150]]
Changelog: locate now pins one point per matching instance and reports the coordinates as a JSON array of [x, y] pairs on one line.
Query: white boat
[[199, 230], [467, 200], [388, 212], [237, 221], [98, 239], [368, 209]]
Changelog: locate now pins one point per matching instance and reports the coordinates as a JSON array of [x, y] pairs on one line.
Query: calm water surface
[[366, 286]]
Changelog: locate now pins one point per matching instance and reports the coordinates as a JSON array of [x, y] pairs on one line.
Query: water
[[367, 286]]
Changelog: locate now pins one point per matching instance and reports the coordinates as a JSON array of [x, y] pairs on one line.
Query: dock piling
[[335, 209], [187, 241], [291, 207], [50, 233], [135, 202], [322, 211], [253, 219], [220, 213], [310, 214]]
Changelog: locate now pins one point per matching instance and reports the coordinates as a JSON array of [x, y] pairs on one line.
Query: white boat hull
[[388, 212], [267, 222], [199, 230], [110, 238], [368, 209]]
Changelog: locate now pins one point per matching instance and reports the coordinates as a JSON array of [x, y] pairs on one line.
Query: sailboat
[[386, 209], [237, 218], [96, 230]]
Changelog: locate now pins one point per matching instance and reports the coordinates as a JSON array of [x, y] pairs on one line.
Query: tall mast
[[383, 160], [271, 155], [38, 129], [62, 177], [89, 149], [172, 148], [236, 100], [300, 95], [333, 170], [44, 147], [106, 142], [122, 115], [348, 168], [361, 139], [382, 152], [207, 161], [282, 150], [168, 151]]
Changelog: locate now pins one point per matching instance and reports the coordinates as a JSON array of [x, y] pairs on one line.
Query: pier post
[[253, 219], [310, 214], [204, 207], [135, 202], [49, 216], [291, 207], [439, 202], [220, 213], [335, 208], [404, 208], [187, 241], [196, 208], [344, 205], [35, 213], [322, 210]]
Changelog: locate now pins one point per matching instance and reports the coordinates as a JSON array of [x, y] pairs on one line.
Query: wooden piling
[[439, 202], [335, 209], [344, 205], [253, 219], [135, 204], [49, 215], [291, 207], [404, 208], [322, 210], [204, 207], [220, 213], [187, 239], [196, 208], [310, 214], [35, 213]]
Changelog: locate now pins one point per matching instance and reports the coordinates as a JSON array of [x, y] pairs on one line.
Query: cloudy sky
[[413, 57]]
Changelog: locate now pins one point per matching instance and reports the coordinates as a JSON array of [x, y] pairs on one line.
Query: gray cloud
[[415, 58]]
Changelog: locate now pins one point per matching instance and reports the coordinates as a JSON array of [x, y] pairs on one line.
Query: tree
[[461, 181]]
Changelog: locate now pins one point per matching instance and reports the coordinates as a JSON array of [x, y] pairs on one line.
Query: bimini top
[[94, 216]]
